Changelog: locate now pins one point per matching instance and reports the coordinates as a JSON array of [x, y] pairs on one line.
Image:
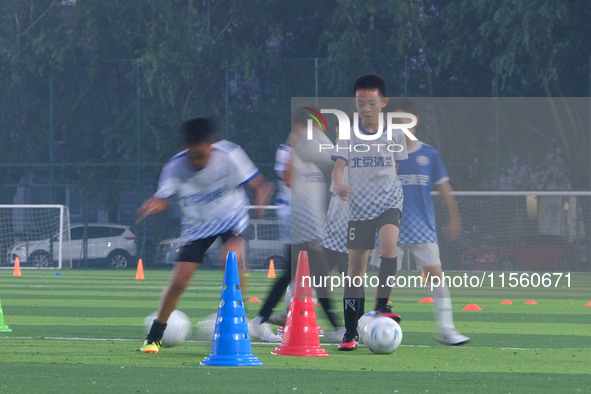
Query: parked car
[[263, 244], [541, 252], [113, 245]]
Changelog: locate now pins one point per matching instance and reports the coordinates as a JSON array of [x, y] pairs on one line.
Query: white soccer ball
[[383, 335], [362, 323], [206, 327], [178, 328]]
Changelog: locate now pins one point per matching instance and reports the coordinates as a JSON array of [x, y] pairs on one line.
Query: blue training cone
[[230, 346]]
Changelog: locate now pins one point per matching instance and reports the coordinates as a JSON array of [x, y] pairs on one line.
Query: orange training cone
[[271, 273], [588, 304], [506, 302], [17, 267], [300, 335], [531, 302], [426, 300], [254, 299], [472, 307], [139, 275]]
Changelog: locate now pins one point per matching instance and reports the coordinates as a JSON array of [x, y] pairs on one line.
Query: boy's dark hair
[[197, 131], [402, 103], [369, 82]]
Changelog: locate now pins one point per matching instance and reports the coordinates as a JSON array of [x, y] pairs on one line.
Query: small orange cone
[[472, 307], [254, 299], [271, 273], [588, 304], [17, 267], [426, 300], [531, 302], [506, 302], [139, 275]]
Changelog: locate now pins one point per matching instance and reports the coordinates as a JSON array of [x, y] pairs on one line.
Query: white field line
[[278, 343]]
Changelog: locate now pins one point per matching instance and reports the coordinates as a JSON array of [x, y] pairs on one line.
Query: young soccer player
[[334, 241], [375, 200], [302, 211], [207, 179], [421, 173]]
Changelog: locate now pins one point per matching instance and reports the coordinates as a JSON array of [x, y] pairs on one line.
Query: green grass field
[[79, 332]]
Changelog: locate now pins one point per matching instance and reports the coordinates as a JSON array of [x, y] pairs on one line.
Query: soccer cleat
[[151, 346], [349, 342], [451, 337], [387, 312], [262, 331]]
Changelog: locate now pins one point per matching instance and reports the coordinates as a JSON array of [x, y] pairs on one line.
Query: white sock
[[442, 307]]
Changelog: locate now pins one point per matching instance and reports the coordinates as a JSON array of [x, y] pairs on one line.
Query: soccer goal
[[518, 231], [38, 235]]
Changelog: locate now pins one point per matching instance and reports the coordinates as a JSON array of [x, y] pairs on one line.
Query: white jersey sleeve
[[244, 168], [169, 181]]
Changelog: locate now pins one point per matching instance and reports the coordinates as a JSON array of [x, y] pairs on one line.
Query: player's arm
[[151, 206], [340, 189], [263, 190], [455, 222]]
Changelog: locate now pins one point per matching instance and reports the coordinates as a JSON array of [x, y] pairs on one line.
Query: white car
[[111, 243], [262, 237]]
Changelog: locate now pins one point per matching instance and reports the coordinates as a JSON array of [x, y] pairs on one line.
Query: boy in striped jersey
[[208, 180], [375, 199]]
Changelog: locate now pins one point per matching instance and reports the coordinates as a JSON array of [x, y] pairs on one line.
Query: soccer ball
[[206, 327], [178, 328], [362, 323], [382, 335]]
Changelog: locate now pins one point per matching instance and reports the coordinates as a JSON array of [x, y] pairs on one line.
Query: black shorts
[[361, 234], [194, 251]]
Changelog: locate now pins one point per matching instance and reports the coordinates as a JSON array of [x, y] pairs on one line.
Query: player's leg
[[189, 257], [259, 326], [360, 240], [388, 230], [318, 270], [427, 257], [336, 259], [234, 242]]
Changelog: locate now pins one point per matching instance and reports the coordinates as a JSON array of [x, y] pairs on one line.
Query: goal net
[[518, 231], [38, 235]]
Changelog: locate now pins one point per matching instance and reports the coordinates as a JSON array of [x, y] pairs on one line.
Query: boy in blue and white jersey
[[208, 180], [375, 199], [422, 172]]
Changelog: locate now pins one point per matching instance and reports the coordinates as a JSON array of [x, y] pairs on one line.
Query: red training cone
[[300, 335], [426, 300]]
